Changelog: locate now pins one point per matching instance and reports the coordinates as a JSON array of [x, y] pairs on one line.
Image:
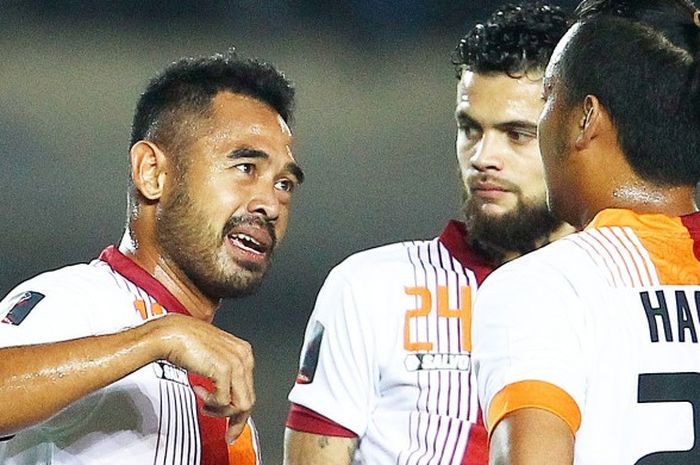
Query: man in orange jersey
[[116, 361], [386, 373], [586, 351]]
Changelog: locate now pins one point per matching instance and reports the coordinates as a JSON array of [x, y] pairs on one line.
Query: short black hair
[[189, 84], [640, 59], [517, 38], [186, 87]]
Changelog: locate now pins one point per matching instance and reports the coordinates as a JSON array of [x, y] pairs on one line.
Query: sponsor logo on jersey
[[422, 362], [21, 306], [170, 372], [310, 359]]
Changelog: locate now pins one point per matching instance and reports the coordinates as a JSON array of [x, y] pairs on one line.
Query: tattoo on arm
[[335, 446]]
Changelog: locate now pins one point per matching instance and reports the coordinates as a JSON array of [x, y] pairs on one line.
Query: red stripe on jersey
[[137, 275], [477, 451], [454, 238], [211, 429], [307, 421], [692, 224]]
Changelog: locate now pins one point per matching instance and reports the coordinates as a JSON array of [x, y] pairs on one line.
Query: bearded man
[[386, 373], [116, 361]]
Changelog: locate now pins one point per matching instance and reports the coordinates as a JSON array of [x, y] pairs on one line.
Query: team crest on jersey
[[310, 358], [445, 361], [170, 372], [21, 306]]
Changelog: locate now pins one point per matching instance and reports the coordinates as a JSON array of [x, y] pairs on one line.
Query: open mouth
[[249, 243]]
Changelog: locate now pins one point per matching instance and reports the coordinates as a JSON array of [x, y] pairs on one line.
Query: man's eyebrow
[[291, 167], [248, 153], [296, 171], [517, 124], [464, 119]]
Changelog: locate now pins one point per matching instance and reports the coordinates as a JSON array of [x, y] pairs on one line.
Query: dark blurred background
[[374, 129]]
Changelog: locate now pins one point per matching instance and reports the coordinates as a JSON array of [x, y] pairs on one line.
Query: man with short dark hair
[[116, 361], [586, 350], [386, 374]]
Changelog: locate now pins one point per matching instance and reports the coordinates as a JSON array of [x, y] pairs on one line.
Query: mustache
[[251, 220], [473, 181]]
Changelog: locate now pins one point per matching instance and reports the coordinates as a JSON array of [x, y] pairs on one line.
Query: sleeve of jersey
[[35, 313], [337, 365], [527, 344]]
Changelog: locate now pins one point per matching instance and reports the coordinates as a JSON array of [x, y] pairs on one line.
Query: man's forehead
[[237, 120], [238, 112], [474, 84], [497, 97], [232, 107]]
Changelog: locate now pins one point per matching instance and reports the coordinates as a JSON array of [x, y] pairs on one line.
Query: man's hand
[[40, 380], [226, 360]]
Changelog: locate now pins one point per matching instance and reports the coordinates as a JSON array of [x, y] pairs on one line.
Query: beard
[[198, 250], [523, 229]]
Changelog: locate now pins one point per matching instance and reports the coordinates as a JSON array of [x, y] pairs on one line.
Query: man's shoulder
[[70, 280], [69, 302], [397, 253], [567, 259], [76, 273], [397, 258]]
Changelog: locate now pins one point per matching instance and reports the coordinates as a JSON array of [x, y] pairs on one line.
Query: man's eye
[[521, 137], [285, 185], [470, 132], [245, 167]]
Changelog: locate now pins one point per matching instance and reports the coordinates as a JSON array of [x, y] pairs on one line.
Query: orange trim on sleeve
[[242, 452], [534, 394]]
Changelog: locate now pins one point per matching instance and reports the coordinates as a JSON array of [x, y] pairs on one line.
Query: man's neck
[[562, 230], [155, 263], [644, 199]]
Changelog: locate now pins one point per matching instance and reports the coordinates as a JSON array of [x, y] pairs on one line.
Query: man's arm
[[337, 376], [530, 362], [314, 449], [531, 436], [37, 381]]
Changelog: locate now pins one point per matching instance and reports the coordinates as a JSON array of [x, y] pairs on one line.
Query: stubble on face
[[518, 220], [524, 228], [194, 245]]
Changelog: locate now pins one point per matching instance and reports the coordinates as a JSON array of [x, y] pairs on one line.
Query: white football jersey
[[387, 353], [149, 417], [601, 328]]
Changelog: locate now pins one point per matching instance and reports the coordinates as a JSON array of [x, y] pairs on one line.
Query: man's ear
[[591, 122], [148, 169]]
